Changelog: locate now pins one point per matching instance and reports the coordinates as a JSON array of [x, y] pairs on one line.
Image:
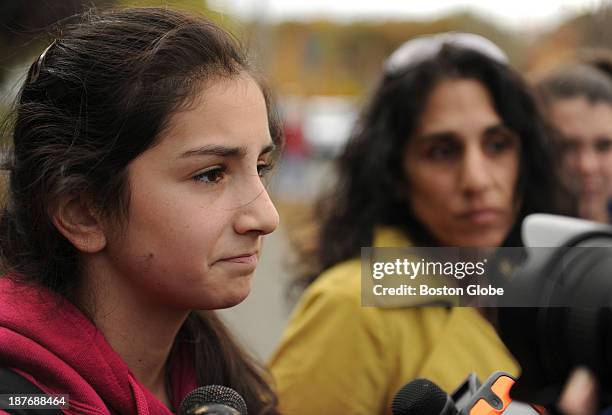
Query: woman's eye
[[500, 144], [442, 152], [211, 176]]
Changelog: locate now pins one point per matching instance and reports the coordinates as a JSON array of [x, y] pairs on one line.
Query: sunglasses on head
[[420, 49]]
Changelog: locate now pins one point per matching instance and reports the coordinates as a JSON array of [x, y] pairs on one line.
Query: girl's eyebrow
[[268, 149], [224, 151], [215, 150]]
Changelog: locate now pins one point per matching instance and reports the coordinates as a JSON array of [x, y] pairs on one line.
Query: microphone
[[213, 400], [422, 397]]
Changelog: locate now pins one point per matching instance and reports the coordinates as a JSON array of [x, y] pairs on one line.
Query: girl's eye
[[603, 145], [210, 176], [263, 169]]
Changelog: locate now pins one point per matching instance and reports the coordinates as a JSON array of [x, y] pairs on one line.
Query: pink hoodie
[[48, 341]]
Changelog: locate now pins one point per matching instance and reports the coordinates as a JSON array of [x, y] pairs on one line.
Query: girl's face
[[198, 208], [462, 167], [586, 146]]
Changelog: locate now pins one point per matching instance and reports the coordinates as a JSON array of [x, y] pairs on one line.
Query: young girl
[[140, 139], [577, 97]]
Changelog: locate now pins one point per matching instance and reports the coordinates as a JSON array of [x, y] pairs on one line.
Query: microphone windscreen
[[213, 394], [420, 396]]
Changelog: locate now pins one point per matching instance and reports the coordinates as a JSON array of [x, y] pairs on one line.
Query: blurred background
[[321, 59]]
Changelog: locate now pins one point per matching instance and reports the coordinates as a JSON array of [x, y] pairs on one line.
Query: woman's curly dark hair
[[370, 174]]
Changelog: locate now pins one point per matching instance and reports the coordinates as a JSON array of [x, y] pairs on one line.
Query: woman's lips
[[482, 216]]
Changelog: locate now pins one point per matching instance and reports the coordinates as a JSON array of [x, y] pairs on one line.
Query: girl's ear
[[76, 219]]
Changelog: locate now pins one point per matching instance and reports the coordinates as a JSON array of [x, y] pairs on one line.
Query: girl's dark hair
[[577, 80], [370, 173], [99, 96]]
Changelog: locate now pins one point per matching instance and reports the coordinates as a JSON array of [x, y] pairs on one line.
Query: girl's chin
[[232, 299]]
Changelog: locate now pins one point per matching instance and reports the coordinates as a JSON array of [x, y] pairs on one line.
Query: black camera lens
[[572, 324]]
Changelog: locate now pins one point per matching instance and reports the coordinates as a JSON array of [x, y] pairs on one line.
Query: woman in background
[[450, 151], [578, 100], [134, 199]]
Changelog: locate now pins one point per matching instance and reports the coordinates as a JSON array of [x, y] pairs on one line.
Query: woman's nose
[[476, 176]]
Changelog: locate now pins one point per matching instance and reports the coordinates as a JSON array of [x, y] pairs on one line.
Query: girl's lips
[[248, 259]]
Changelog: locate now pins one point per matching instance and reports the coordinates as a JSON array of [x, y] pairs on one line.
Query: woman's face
[[586, 147], [462, 167], [198, 208]]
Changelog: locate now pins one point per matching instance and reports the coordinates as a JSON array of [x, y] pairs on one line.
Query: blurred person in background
[[134, 199], [293, 163], [577, 98], [450, 151]]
